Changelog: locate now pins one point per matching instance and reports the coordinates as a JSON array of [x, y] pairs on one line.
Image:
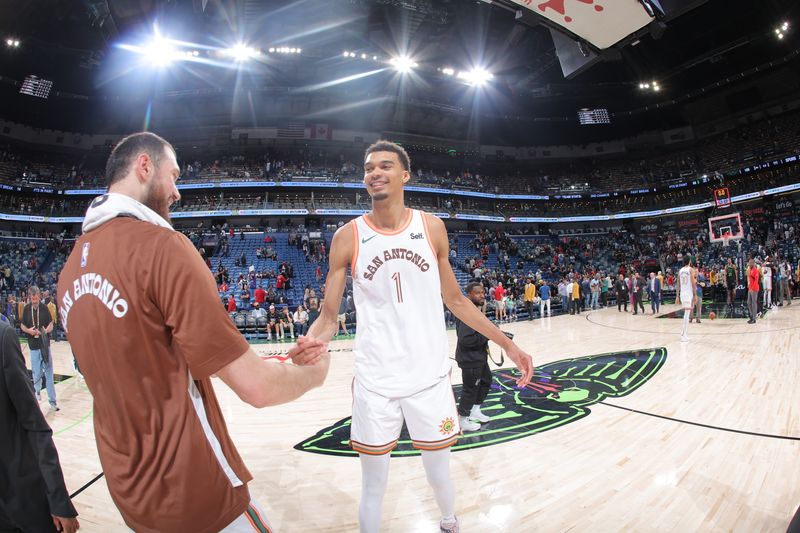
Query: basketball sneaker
[[684, 339], [468, 424], [449, 527], [476, 414]]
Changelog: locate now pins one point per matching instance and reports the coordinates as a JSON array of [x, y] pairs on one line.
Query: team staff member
[[33, 496], [472, 356], [142, 315], [35, 320]]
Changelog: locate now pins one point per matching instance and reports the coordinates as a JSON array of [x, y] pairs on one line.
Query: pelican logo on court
[[447, 426], [560, 393]]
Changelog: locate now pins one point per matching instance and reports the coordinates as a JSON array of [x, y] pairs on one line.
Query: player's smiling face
[[384, 174]]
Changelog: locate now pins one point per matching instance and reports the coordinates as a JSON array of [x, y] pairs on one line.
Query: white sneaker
[[468, 424], [684, 338], [449, 527], [476, 414]]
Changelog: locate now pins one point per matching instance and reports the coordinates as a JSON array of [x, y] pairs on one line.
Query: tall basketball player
[[401, 276], [688, 293]]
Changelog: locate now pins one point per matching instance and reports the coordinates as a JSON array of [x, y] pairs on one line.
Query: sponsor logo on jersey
[[417, 235], [365, 241]]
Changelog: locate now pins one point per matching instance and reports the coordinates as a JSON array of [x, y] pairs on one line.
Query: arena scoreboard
[[722, 197]]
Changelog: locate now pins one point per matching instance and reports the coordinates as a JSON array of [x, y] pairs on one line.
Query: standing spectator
[[37, 324], [786, 279], [654, 292], [499, 302], [638, 295], [341, 317], [544, 299], [34, 496], [594, 288], [528, 297], [701, 283], [753, 287], [621, 288], [260, 295]]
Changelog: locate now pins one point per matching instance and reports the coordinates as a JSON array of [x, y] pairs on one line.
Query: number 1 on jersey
[[398, 286]]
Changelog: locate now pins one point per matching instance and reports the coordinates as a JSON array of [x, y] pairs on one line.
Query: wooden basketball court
[[710, 442]]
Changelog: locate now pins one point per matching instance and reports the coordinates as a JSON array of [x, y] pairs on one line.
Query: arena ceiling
[[99, 84]]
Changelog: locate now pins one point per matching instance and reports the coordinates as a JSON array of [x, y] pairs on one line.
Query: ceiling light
[[476, 76], [447, 71], [403, 64], [160, 52], [346, 53], [374, 58], [241, 52]]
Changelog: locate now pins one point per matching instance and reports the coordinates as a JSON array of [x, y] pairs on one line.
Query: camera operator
[[472, 356]]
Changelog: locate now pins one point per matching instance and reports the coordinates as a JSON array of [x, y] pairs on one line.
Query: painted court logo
[[560, 393]]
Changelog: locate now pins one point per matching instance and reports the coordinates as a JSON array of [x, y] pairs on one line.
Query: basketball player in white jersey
[[401, 276], [688, 293]]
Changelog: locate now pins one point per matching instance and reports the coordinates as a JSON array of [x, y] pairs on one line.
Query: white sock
[[374, 476], [437, 469], [686, 314]]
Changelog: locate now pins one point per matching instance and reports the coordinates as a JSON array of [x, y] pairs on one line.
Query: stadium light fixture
[[782, 30], [160, 52], [477, 76], [241, 52], [403, 64], [12, 43], [447, 71]]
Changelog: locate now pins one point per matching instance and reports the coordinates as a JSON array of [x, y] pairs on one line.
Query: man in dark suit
[[654, 292], [35, 497]]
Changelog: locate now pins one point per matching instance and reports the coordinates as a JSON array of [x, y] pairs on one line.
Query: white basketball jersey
[[401, 343], [685, 277]]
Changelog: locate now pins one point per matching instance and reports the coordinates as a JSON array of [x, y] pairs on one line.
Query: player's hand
[[66, 525], [308, 351], [524, 363]]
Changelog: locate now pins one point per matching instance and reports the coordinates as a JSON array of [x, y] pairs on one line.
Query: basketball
[[712, 315]]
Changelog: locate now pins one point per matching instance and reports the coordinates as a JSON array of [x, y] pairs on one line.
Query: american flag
[[292, 130]]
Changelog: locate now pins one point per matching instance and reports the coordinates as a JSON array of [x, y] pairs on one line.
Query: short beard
[[380, 196], [159, 207]]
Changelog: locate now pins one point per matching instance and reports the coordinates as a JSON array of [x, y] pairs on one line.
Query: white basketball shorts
[[430, 414]]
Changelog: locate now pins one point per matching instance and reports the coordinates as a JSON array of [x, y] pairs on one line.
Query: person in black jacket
[[472, 356], [622, 293], [34, 497]]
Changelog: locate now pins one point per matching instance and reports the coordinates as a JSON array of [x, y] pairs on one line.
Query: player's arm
[[464, 309], [324, 327], [263, 383]]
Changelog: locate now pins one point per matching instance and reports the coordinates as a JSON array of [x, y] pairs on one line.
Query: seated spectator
[[286, 322], [273, 322], [231, 304], [300, 318], [223, 288], [258, 311]]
